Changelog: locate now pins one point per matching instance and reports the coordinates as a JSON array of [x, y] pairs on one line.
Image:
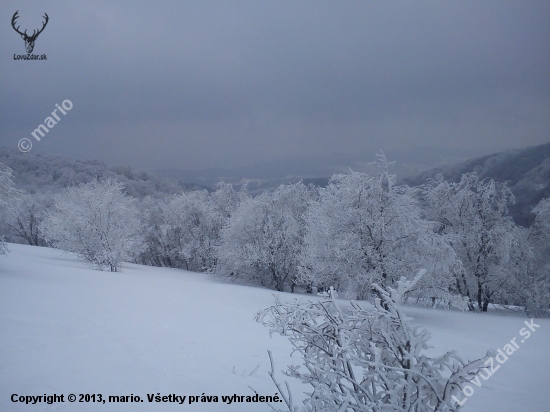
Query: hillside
[[527, 172], [68, 329], [38, 172]]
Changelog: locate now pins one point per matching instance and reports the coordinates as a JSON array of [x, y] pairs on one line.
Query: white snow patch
[[65, 328]]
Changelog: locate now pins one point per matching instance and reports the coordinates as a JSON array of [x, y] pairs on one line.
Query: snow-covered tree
[[25, 216], [264, 236], [533, 262], [226, 199], [6, 193], [184, 230], [365, 360], [473, 215], [159, 248], [540, 230], [195, 226], [6, 184], [366, 229], [96, 221]]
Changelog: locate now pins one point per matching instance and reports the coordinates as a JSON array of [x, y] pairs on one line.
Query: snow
[[66, 328]]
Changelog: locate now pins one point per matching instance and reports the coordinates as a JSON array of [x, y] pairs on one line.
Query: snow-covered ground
[[68, 329]]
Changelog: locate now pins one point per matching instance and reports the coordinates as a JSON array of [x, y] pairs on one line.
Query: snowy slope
[[65, 328]]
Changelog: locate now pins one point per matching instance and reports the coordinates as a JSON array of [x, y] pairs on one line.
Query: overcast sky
[[193, 84]]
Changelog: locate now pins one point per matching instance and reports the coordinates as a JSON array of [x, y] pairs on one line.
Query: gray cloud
[[203, 83]]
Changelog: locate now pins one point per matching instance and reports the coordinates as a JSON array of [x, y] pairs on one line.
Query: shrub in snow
[[363, 360], [96, 221], [429, 293]]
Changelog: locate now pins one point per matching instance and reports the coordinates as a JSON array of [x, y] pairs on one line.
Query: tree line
[[357, 231]]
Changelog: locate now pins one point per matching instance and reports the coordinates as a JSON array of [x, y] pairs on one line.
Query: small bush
[[366, 360]]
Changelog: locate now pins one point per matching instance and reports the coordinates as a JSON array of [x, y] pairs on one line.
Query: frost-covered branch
[[359, 360]]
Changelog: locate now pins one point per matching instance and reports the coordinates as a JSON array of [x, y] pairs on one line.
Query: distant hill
[[527, 172], [37, 172], [409, 161]]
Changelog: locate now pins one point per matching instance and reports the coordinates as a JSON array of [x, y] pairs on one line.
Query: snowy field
[[68, 329]]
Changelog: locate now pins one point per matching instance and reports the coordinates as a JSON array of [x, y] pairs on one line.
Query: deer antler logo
[[29, 40]]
